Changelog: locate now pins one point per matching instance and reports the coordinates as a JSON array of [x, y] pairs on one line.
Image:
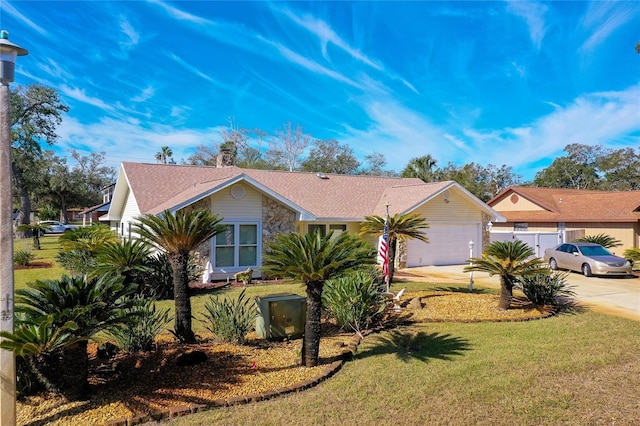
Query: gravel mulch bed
[[144, 382]]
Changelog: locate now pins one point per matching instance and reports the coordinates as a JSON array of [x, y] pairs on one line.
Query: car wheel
[[553, 264], [586, 270]]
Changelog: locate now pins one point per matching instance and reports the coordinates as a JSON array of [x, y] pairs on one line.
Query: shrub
[[230, 320], [23, 257], [48, 213], [633, 255], [141, 335], [545, 289], [355, 300], [157, 281], [77, 262]]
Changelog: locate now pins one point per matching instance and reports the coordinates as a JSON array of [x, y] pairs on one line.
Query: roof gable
[[570, 205]]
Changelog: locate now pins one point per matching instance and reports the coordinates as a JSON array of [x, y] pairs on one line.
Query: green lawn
[[49, 250], [577, 369]]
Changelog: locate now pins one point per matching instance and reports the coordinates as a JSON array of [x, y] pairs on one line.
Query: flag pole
[[386, 231]]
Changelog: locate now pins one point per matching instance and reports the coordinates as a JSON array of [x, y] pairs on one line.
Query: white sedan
[[55, 227]]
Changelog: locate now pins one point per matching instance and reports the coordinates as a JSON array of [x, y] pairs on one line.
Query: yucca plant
[[230, 319], [141, 335], [23, 257], [355, 300], [546, 289]]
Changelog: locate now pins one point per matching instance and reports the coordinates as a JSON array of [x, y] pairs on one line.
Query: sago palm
[[177, 235], [61, 316], [124, 258], [401, 227], [313, 259], [509, 260]]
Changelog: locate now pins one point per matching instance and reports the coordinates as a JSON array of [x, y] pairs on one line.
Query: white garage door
[[448, 245]]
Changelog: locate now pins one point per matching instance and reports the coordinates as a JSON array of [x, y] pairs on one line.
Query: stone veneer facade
[[276, 219]]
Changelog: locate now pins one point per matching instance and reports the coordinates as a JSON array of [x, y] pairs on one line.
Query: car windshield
[[594, 251]]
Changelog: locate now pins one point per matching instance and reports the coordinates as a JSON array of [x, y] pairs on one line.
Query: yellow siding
[[458, 209], [226, 206], [506, 205], [625, 232]]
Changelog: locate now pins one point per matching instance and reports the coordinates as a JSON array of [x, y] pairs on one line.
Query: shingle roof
[[157, 187], [573, 205]]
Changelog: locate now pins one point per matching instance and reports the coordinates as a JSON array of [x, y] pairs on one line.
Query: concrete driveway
[[615, 295]]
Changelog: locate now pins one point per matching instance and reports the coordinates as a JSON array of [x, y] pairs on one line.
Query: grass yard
[[49, 250], [577, 369]]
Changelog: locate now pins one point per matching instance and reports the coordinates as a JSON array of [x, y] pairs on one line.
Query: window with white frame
[[237, 246]]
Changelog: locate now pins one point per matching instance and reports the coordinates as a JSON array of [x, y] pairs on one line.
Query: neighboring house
[[92, 214], [544, 217], [258, 205]]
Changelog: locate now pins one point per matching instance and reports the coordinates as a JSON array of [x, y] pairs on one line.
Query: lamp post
[[470, 264], [8, 54]]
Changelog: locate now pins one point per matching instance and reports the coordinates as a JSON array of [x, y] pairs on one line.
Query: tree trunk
[[66, 371], [24, 216], [506, 292], [181, 297], [312, 326]]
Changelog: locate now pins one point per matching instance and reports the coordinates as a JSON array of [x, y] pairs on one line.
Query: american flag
[[384, 250]]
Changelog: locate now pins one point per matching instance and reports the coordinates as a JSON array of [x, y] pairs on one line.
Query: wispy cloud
[[80, 96], [603, 18], [326, 34], [10, 10], [591, 119], [129, 141], [179, 14], [307, 63], [146, 94], [130, 37], [534, 15]]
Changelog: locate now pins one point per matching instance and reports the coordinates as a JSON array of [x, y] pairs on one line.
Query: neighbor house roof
[[572, 205], [157, 187]]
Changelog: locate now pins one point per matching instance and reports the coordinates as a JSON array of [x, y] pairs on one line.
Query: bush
[[142, 334], [545, 289], [633, 255], [230, 320], [355, 300], [157, 282], [23, 257]]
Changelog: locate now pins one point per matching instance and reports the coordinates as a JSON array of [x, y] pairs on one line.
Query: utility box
[[281, 316]]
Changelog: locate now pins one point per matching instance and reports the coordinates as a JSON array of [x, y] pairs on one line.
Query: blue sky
[[488, 82]]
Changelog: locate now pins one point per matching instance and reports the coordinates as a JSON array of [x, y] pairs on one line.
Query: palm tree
[[177, 235], [510, 260], [421, 168], [314, 259], [401, 227], [164, 154]]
